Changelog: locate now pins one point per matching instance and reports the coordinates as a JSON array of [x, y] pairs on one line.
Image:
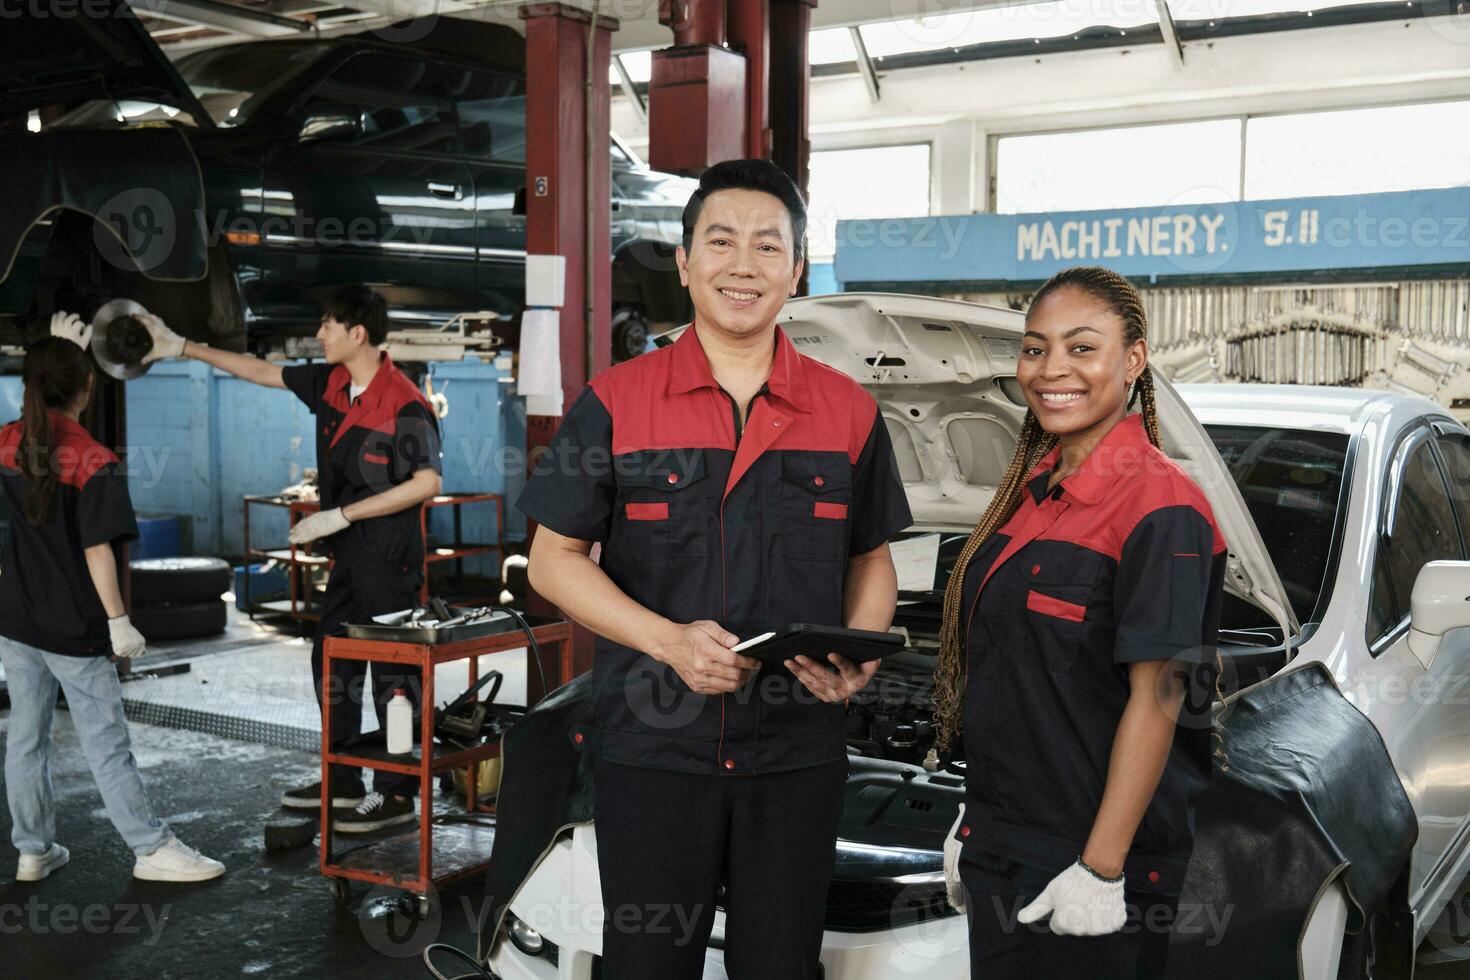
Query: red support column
[[791, 78], [750, 34], [696, 97], [558, 219]]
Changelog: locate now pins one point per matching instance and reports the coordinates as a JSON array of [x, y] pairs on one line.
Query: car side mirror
[[331, 122], [518, 205], [1440, 603]]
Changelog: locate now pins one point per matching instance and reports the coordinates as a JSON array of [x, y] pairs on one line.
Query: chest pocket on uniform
[[816, 492], [1056, 612], [663, 503], [374, 463]]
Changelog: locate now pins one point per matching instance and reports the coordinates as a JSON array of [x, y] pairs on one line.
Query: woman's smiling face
[[1075, 366]]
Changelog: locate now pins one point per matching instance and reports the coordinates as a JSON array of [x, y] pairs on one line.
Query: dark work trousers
[[355, 597], [667, 840], [1001, 948]]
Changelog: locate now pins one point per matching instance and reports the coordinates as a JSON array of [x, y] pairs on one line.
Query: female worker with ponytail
[[62, 615], [1081, 611]]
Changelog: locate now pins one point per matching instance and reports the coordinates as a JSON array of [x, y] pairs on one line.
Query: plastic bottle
[[400, 723]]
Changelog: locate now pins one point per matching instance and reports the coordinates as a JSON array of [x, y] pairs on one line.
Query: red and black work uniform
[[365, 446], [1121, 562], [745, 515], [47, 599]]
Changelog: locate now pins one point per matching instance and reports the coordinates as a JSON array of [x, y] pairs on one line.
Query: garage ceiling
[[181, 25]]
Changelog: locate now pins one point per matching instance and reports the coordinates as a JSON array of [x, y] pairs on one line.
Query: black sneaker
[[375, 812], [309, 797]]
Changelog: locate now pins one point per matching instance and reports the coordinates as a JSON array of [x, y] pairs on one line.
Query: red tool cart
[[430, 855]]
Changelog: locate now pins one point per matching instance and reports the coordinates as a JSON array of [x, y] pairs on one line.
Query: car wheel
[[629, 334], [182, 579], [179, 620]]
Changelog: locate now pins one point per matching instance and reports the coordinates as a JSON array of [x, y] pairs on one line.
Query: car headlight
[[526, 939]]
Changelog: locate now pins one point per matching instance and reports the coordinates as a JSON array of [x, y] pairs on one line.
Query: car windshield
[[1291, 480], [231, 83]]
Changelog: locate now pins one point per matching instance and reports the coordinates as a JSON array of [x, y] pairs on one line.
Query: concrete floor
[[271, 915]]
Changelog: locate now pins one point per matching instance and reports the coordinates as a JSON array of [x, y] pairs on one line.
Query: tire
[[180, 580], [180, 621], [629, 334]]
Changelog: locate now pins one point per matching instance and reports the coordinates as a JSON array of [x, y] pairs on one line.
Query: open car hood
[[943, 373], [47, 59]]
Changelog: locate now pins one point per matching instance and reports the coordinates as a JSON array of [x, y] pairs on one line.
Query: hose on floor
[[481, 972]]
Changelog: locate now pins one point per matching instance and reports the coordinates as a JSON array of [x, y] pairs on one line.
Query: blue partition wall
[[199, 440]]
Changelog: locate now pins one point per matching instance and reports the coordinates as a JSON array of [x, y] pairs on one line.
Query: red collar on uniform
[[787, 382], [62, 423], [1118, 454], [373, 394]]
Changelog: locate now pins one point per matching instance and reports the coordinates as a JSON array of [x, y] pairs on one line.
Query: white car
[[1332, 500]]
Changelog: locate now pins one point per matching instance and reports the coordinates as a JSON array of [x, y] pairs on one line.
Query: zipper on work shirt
[[741, 414]]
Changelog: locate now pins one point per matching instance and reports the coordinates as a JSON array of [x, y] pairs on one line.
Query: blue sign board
[[1286, 235]]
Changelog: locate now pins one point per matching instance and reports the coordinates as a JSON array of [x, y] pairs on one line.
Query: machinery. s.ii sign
[[1283, 236]]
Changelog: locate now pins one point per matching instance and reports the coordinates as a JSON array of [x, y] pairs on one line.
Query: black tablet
[[815, 642]]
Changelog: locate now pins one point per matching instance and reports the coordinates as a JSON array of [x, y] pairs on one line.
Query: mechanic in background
[[1081, 610], [736, 486], [62, 616], [378, 459]]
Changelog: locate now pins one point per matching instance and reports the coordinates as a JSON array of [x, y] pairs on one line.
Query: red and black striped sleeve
[[1166, 596], [416, 443], [104, 507], [571, 489], [307, 382], [880, 508]]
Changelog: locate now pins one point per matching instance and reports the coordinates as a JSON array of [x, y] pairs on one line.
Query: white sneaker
[[34, 867], [176, 861]]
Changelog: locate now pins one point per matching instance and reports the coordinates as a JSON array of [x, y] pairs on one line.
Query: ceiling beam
[[865, 64], [223, 16], [1170, 33]]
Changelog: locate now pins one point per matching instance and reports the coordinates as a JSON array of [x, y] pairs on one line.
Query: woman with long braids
[[1080, 612], [62, 616]]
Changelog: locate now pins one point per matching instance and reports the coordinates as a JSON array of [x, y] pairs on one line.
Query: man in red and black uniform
[[736, 486], [378, 459]]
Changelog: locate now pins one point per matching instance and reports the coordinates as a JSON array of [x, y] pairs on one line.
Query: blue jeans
[[94, 699]]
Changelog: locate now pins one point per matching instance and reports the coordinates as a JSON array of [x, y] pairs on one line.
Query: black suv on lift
[[225, 190]]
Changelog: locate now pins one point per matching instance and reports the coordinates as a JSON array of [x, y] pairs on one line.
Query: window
[[873, 182], [1127, 167], [234, 81], [638, 65], [1423, 530], [1455, 448], [1004, 22], [832, 46], [492, 114], [1290, 480], [402, 102], [1358, 151]]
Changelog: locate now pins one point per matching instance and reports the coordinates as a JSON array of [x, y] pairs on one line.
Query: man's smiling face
[[741, 265]]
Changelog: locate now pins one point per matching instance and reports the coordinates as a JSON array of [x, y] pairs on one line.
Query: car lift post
[[708, 101], [558, 222]]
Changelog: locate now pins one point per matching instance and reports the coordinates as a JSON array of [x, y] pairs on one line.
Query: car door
[[1421, 710], [492, 115], [366, 183]]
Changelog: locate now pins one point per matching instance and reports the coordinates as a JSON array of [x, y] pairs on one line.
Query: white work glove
[[322, 524], [127, 642], [166, 343], [953, 887], [1080, 903], [70, 326]]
